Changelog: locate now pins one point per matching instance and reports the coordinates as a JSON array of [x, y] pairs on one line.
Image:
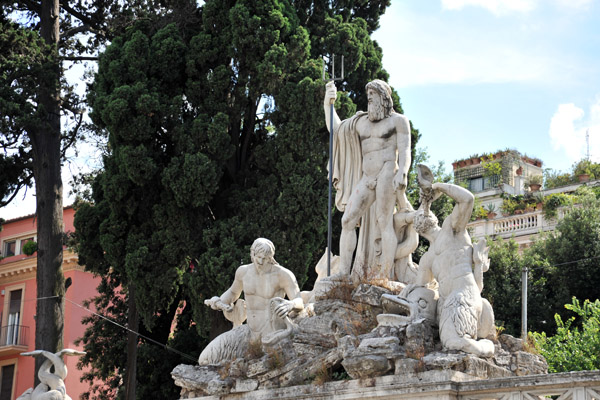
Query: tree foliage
[[216, 137], [502, 284], [561, 264], [573, 348], [37, 40], [572, 252]]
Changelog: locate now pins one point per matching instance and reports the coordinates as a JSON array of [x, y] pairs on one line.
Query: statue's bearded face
[[375, 109]]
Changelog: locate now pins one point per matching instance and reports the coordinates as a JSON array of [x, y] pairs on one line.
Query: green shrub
[[582, 167], [573, 348], [556, 178], [479, 212], [553, 201], [534, 180], [29, 248]]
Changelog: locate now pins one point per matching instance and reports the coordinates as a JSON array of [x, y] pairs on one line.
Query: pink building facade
[[18, 293]]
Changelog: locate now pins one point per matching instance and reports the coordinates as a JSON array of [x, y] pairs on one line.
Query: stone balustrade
[[527, 224], [517, 223], [439, 385]]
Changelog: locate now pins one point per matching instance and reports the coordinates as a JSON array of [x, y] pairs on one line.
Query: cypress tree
[[216, 137]]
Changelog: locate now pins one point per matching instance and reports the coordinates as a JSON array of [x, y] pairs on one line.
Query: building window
[[6, 381], [11, 331], [483, 183], [10, 248], [476, 184], [14, 247]]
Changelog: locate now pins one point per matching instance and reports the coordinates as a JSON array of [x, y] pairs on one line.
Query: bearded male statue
[[371, 157]]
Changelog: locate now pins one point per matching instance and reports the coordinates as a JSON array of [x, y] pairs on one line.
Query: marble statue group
[[371, 159]]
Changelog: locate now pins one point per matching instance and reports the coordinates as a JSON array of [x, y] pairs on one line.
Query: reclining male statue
[[463, 315], [264, 283]]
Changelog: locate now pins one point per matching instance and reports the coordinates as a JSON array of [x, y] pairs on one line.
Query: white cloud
[[575, 4], [497, 7], [568, 128]]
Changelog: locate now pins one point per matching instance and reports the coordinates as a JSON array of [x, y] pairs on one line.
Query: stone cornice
[[25, 268]]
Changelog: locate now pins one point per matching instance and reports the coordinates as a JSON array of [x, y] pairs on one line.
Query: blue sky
[[477, 76]]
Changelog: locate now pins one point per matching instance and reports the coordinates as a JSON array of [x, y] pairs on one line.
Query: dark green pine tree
[[216, 137]]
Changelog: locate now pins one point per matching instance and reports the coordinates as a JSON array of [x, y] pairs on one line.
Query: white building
[[515, 180]]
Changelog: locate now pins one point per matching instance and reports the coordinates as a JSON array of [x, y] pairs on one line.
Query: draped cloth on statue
[[347, 172]]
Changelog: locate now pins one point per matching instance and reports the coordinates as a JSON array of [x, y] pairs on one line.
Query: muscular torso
[[259, 289], [378, 142], [450, 259]]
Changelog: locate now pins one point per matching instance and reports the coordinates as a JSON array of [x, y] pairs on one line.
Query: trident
[[331, 78]]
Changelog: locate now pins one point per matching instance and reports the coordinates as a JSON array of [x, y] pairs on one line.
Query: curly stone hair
[[265, 247], [423, 223]]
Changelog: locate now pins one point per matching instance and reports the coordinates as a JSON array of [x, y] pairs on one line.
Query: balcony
[[521, 226], [14, 339]]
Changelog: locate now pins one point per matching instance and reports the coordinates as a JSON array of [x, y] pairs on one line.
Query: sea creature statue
[[420, 304], [465, 319], [52, 384]]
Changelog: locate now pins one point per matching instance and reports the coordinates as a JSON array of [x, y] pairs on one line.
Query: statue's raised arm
[[330, 96], [464, 317]]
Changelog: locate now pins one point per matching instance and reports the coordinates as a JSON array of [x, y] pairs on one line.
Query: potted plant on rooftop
[[491, 211], [539, 199], [582, 170], [534, 182], [492, 167]]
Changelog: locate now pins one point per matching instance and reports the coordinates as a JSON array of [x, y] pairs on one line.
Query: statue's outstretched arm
[[225, 301]]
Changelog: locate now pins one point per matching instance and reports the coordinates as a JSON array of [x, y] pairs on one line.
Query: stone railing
[[518, 225], [583, 385], [444, 385]]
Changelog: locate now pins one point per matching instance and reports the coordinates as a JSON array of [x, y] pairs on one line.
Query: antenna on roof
[[587, 142]]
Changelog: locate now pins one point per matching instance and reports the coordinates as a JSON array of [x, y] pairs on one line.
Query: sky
[[476, 76]]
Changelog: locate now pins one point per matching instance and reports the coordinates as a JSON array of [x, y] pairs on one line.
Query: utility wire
[[565, 263], [134, 332], [120, 326], [194, 359]]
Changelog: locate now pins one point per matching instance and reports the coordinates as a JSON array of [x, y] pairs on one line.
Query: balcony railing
[[518, 225], [14, 335]]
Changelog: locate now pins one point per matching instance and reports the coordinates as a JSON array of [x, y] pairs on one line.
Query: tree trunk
[[46, 142], [132, 342]]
